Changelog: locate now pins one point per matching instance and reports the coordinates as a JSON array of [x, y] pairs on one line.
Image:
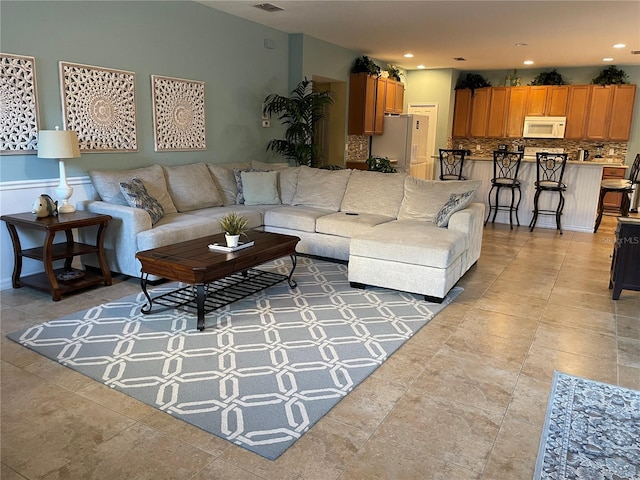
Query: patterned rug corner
[[592, 431], [266, 368]]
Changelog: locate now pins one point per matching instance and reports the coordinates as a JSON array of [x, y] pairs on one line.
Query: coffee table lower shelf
[[203, 299]]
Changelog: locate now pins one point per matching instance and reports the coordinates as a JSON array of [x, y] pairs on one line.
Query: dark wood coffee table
[[215, 278]]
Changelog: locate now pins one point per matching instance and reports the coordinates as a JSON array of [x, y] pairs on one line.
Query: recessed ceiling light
[[607, 59], [528, 62], [421, 67], [521, 44], [619, 45], [408, 55]]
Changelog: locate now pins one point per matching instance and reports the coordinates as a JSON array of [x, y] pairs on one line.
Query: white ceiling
[[558, 33]]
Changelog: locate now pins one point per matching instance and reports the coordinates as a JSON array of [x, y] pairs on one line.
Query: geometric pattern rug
[[265, 369], [592, 431]]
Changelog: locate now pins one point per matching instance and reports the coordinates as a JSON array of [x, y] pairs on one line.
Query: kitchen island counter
[[581, 198]]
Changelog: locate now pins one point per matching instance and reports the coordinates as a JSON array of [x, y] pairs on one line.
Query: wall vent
[[460, 59], [635, 52], [268, 7]]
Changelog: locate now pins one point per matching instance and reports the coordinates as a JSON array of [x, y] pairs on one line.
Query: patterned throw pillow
[[457, 201], [137, 196], [238, 175]]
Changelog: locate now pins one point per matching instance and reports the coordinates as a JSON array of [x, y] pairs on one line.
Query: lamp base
[[66, 207], [64, 191]]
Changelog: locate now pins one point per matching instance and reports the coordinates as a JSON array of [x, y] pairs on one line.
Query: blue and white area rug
[[266, 368], [592, 431]]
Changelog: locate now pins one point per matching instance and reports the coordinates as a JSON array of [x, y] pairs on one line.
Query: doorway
[[329, 132]]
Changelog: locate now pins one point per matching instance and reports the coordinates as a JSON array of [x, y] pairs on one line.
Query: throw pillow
[[260, 188], [191, 187], [457, 201], [137, 196], [238, 174]]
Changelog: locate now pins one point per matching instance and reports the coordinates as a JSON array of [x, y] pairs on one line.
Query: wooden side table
[[63, 280]]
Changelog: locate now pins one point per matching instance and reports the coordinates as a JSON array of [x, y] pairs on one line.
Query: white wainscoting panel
[[17, 197]]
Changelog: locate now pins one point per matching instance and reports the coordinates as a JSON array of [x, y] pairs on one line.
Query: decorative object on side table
[[178, 114], [44, 206], [299, 112], [100, 104], [60, 144], [19, 100], [234, 225]]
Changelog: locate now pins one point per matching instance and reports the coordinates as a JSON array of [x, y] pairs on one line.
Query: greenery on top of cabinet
[[364, 64], [610, 76], [472, 81], [551, 77]]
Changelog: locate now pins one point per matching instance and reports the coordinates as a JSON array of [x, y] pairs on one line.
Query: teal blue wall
[[172, 38]]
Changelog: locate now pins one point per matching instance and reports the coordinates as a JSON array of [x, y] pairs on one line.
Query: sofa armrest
[[120, 241], [470, 220]]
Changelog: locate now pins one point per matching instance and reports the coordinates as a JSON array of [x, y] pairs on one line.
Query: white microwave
[[544, 127]]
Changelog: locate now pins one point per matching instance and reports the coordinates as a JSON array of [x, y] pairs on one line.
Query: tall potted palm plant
[[299, 113]]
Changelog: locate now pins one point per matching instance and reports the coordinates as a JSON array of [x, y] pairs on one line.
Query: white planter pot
[[232, 240]]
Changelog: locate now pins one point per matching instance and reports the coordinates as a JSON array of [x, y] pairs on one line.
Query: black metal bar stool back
[[506, 166], [549, 173], [451, 164], [623, 186]]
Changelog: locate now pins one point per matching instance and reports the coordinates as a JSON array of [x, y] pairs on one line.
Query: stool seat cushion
[[505, 182], [550, 185], [403, 241], [619, 184]]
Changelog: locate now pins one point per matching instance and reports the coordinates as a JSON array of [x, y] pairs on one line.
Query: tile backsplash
[[484, 147]]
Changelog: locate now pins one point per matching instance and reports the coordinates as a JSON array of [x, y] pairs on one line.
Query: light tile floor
[[464, 399]]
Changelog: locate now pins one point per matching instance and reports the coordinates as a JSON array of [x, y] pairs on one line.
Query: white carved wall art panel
[[178, 114], [18, 105], [100, 105]]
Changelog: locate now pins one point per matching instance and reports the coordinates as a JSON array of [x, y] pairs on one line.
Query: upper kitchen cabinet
[[366, 108], [498, 109], [518, 98], [479, 112], [462, 112], [599, 111], [393, 96], [577, 111], [547, 101], [622, 112]]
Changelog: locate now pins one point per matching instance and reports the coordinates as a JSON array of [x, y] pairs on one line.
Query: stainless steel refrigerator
[[404, 142]]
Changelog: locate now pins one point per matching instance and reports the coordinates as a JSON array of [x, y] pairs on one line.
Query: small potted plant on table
[[233, 225]]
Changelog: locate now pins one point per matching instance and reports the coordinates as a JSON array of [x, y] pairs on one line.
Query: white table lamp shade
[[60, 144]]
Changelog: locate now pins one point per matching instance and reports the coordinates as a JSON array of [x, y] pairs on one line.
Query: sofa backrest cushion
[[107, 185], [260, 188], [423, 199], [319, 188], [225, 180], [191, 187], [288, 183], [374, 192]]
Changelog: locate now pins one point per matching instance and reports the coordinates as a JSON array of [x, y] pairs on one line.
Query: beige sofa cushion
[[374, 192], [107, 185], [343, 224], [225, 180], [319, 188], [423, 199], [288, 182], [294, 218], [191, 187]]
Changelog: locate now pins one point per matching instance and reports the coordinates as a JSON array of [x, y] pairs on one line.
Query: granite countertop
[[602, 161]]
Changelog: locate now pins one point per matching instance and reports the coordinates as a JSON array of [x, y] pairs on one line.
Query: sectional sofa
[[395, 231]]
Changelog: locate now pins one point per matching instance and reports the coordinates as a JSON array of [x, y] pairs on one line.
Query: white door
[[428, 109]]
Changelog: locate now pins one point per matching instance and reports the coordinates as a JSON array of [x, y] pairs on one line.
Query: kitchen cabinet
[[462, 113], [622, 112], [577, 111], [547, 100], [366, 107], [479, 112], [498, 108], [598, 112], [393, 96], [613, 200], [518, 97]]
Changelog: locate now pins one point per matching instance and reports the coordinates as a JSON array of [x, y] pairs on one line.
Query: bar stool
[[505, 175], [451, 163], [549, 172], [623, 186]]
